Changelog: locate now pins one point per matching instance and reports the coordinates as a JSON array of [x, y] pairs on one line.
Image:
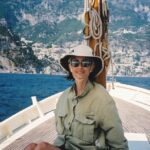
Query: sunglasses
[[84, 62]]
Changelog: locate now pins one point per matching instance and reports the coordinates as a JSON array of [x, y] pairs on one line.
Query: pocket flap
[[85, 119]]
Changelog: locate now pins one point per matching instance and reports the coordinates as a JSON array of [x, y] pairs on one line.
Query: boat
[[36, 123]]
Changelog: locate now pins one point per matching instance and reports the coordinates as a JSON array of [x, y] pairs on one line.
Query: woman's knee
[[42, 145], [31, 146], [46, 146]]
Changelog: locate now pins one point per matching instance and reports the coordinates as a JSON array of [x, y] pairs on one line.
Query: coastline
[[63, 74]]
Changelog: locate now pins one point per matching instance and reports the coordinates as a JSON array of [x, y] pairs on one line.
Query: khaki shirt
[[89, 121]]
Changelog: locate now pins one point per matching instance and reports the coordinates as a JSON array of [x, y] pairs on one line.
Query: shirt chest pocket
[[83, 128]]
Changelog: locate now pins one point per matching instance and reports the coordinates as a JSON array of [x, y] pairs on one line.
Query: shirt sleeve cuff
[[59, 141]]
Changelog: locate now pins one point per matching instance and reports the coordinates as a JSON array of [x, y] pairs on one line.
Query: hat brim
[[98, 62]]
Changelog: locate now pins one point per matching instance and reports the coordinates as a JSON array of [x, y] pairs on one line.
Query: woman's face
[[80, 67]]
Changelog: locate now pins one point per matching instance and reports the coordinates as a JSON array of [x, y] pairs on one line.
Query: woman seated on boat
[[86, 115]]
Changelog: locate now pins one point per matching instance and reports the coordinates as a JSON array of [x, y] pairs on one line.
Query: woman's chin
[[81, 78]]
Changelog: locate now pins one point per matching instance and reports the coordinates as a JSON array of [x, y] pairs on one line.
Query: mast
[[96, 16]]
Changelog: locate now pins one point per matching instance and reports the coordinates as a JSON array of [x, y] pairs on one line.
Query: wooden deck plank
[[134, 119], [44, 132]]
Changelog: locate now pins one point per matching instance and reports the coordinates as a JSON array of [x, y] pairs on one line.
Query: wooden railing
[[27, 116], [136, 95]]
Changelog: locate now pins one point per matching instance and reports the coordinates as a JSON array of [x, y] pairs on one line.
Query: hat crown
[[82, 50]]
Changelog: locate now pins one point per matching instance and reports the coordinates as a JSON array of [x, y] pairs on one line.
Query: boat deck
[[134, 119]]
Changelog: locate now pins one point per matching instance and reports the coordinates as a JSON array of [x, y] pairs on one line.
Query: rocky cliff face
[[44, 21], [15, 54], [18, 56]]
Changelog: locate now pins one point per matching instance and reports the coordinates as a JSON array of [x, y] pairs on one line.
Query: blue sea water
[[16, 89]]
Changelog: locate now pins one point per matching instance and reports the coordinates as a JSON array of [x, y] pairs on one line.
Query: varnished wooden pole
[[101, 78]]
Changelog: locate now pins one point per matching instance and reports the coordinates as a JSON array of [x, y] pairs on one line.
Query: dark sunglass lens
[[86, 63]]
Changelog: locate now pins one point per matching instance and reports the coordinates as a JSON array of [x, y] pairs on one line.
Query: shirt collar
[[86, 90]]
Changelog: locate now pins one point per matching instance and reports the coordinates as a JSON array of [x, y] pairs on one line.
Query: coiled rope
[[95, 25]]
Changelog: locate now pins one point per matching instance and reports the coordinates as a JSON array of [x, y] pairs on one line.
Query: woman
[[86, 116]]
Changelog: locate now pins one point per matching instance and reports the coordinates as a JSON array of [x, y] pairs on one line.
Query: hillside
[[17, 56], [59, 22]]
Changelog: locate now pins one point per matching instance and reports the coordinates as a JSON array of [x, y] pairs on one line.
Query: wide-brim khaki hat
[[86, 51]]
